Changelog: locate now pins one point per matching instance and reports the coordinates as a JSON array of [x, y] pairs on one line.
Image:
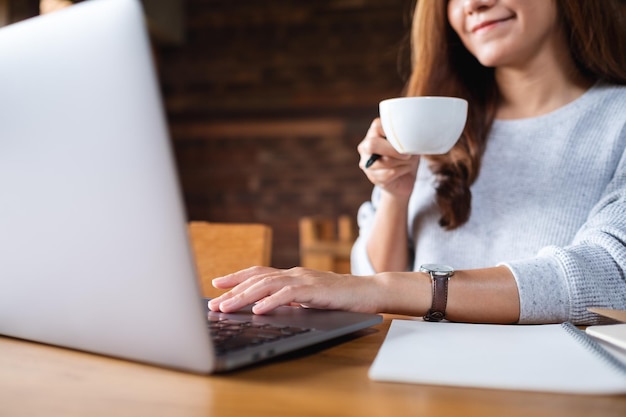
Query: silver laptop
[[94, 251]]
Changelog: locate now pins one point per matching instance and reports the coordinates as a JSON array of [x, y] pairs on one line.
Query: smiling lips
[[488, 23]]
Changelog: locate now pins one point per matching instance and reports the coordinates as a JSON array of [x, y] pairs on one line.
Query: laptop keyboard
[[229, 335]]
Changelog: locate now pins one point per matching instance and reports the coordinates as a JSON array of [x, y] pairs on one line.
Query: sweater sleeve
[[562, 282], [359, 260]]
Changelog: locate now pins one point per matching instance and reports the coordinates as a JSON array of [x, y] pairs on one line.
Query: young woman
[[529, 207]]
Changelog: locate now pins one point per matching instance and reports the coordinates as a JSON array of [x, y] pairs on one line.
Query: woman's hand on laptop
[[269, 288]]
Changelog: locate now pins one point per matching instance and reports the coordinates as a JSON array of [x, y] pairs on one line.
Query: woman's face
[[503, 33]]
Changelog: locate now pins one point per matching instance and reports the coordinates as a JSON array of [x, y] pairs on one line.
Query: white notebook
[[549, 357]]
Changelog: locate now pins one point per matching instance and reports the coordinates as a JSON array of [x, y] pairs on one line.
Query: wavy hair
[[442, 66]]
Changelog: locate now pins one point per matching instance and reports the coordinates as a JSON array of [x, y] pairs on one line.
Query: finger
[[251, 291], [285, 296], [383, 153], [379, 146], [376, 128], [390, 171], [231, 280], [373, 135], [238, 282]]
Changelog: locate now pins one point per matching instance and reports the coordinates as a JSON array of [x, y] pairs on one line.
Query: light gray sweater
[[549, 203]]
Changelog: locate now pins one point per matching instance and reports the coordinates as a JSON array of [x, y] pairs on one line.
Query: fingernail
[[258, 307]]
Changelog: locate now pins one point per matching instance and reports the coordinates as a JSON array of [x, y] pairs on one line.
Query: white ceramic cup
[[423, 125]]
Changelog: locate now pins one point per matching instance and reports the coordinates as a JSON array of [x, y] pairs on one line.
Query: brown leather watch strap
[[439, 275], [437, 311]]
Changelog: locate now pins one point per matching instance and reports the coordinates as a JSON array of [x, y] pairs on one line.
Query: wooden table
[[328, 380]]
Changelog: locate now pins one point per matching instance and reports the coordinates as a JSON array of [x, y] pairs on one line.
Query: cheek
[[456, 16]]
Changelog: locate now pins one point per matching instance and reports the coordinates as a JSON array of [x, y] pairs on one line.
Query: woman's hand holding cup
[[393, 172], [409, 127]]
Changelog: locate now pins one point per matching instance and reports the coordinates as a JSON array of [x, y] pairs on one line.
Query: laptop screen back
[[94, 250]]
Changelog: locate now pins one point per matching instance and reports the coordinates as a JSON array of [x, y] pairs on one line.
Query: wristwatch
[[439, 274]]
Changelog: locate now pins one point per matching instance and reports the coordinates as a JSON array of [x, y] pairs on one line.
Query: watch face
[[437, 269]]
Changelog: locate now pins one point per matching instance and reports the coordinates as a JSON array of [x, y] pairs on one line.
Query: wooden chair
[[223, 248], [325, 243]]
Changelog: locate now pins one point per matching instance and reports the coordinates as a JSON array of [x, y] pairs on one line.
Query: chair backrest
[[325, 243], [223, 248]]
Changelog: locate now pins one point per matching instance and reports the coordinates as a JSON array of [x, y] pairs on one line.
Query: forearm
[[479, 296], [387, 244]]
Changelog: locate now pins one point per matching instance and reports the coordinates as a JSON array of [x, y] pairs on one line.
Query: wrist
[[390, 199], [406, 293]]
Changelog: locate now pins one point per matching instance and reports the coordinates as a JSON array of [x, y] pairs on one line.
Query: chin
[[492, 60]]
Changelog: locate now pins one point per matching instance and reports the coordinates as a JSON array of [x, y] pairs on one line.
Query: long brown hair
[[442, 66]]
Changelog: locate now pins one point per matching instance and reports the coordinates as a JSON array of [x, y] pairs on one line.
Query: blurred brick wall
[[267, 101]]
